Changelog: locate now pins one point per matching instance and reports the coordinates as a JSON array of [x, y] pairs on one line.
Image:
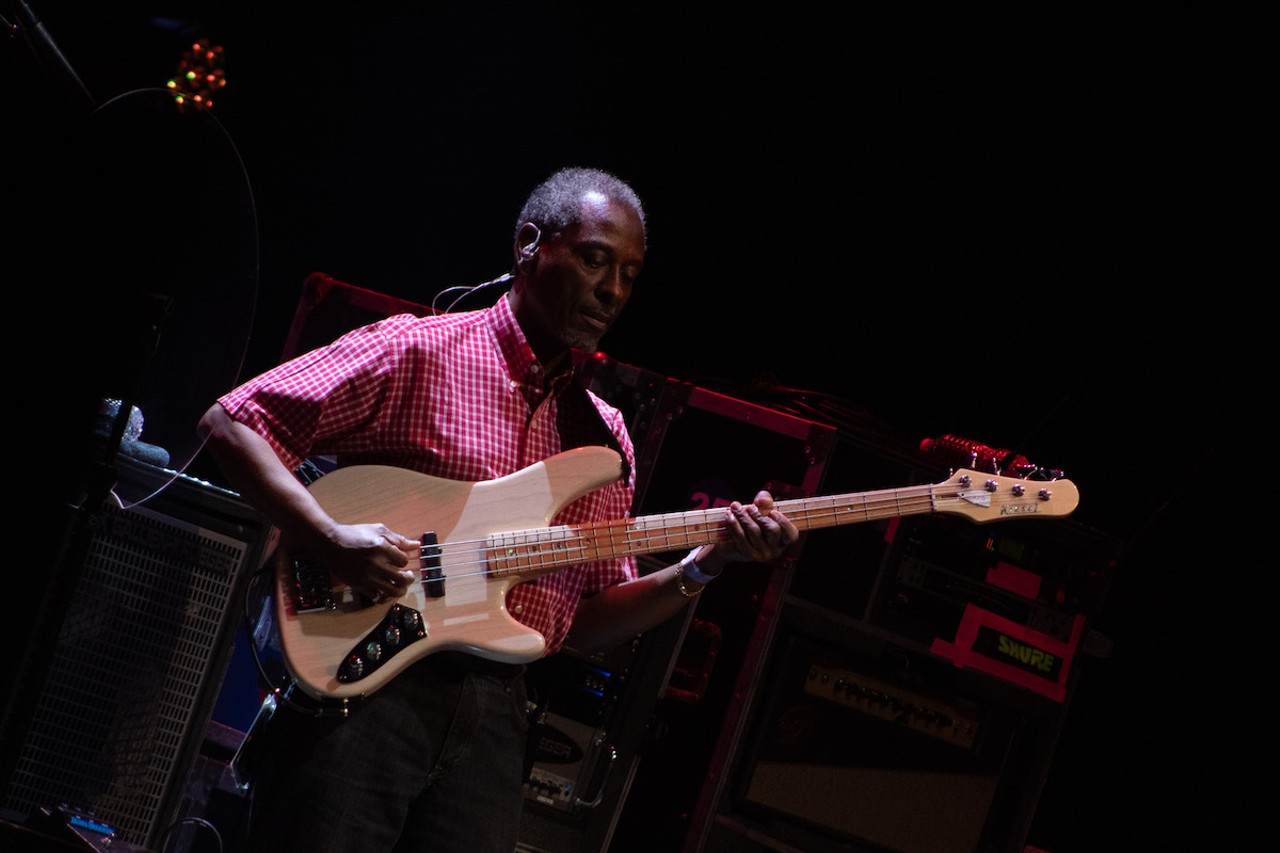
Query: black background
[[1031, 234]]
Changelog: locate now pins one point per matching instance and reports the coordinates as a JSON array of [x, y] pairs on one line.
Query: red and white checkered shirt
[[459, 396]]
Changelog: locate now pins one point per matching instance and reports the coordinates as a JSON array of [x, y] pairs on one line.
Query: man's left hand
[[756, 532]]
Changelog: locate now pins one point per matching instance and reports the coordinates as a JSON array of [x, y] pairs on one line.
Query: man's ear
[[528, 239]]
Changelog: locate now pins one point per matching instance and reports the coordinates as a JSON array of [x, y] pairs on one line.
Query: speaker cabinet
[[858, 741], [121, 709], [917, 680]]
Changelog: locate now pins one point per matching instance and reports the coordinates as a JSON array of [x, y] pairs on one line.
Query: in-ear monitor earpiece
[[529, 248]]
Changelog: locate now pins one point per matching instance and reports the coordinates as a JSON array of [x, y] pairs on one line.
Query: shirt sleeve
[[327, 392]]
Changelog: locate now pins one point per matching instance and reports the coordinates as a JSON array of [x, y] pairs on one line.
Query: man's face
[[582, 278]]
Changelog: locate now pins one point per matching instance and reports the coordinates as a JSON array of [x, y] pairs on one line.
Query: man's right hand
[[370, 558]]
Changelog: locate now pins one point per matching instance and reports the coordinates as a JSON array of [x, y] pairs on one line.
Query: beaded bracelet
[[680, 584]]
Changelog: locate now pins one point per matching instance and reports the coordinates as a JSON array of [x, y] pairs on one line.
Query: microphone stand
[[43, 46], [82, 498]]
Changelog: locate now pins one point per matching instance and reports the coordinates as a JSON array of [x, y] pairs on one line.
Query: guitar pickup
[[432, 573], [312, 588]]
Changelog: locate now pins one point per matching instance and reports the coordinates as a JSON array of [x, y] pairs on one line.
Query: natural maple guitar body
[[482, 538]]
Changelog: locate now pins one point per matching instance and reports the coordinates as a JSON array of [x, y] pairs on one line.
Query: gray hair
[[555, 204]]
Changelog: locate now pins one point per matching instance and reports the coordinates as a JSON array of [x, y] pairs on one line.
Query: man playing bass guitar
[[434, 757]]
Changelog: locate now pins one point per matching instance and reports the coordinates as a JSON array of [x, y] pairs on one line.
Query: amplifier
[[910, 709], [876, 745], [592, 714], [1010, 599], [571, 762], [122, 705], [571, 750]]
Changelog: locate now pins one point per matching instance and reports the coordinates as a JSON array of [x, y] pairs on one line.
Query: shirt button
[[519, 608]]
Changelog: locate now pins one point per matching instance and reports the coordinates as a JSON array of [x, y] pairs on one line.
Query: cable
[[199, 821], [467, 290]]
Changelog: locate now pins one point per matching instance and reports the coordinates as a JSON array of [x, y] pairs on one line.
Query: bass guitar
[[479, 539]]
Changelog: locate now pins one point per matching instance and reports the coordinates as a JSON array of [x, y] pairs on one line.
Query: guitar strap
[[580, 423]]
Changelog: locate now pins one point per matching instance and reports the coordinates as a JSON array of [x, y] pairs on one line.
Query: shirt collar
[[522, 365]]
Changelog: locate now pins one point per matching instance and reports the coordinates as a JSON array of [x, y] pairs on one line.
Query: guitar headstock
[[982, 497]]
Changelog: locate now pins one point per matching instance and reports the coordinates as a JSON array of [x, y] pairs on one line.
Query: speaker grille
[[139, 654]]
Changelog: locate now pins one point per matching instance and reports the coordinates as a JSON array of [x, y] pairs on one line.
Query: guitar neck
[[978, 496], [533, 552]]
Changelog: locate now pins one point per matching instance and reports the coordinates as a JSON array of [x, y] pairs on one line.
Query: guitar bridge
[[401, 627]]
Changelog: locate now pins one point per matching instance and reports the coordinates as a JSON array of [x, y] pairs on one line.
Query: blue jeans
[[433, 761]]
